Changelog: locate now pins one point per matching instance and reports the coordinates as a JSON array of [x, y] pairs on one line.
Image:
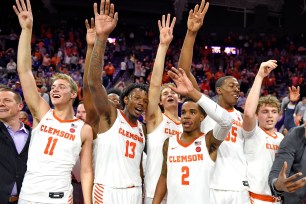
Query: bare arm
[[92, 115], [86, 164], [36, 104], [105, 24], [153, 113], [249, 117], [161, 187], [194, 23]]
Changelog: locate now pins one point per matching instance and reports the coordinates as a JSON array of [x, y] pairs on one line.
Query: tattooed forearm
[[96, 62]]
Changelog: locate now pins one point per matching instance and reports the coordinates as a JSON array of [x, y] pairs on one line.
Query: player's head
[[114, 94], [192, 115], [81, 113], [168, 98], [10, 104], [134, 99], [63, 89], [268, 112], [228, 89]]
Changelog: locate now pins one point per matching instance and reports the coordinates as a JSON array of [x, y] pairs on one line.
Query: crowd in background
[[126, 60]]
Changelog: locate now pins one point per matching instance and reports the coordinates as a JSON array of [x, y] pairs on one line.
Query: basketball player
[[160, 125], [120, 140], [261, 141], [57, 137], [189, 157], [230, 187]]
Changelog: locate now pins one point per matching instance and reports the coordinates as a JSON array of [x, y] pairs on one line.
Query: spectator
[[14, 145], [285, 177], [24, 118], [11, 69]]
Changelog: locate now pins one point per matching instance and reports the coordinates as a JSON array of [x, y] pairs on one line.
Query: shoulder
[[86, 132], [296, 136]]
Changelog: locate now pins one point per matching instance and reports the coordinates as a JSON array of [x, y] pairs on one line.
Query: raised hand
[[106, 21], [166, 30], [294, 93], [91, 32], [290, 184], [196, 16], [183, 84], [266, 68], [24, 14]]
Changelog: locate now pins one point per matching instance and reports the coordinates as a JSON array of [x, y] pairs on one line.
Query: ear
[[202, 117], [125, 100], [74, 95], [20, 106], [219, 91]]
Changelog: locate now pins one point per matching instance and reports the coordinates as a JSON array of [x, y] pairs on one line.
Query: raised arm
[[86, 164], [213, 110], [105, 22], [161, 187], [37, 105], [92, 115], [249, 117], [153, 113], [194, 23]]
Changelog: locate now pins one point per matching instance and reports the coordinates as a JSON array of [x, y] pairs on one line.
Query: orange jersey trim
[[188, 144], [264, 197], [127, 120], [273, 136], [64, 121], [177, 123]]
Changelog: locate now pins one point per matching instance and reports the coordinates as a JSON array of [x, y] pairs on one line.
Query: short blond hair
[[270, 101], [72, 83], [166, 85]]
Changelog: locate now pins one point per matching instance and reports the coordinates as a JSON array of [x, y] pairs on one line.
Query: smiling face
[[168, 98], [9, 106], [136, 102], [61, 92], [228, 93], [191, 116]]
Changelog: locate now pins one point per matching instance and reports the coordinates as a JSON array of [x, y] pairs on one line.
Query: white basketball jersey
[[117, 154], [260, 150], [230, 170], [189, 169], [155, 142], [54, 149]]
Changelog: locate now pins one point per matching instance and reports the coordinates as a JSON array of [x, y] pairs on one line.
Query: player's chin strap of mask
[[218, 114]]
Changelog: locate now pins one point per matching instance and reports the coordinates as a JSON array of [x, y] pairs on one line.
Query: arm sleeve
[[218, 114]]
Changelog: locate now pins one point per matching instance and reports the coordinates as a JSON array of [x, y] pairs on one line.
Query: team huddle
[[208, 153]]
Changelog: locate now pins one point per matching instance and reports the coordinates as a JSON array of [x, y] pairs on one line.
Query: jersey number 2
[[185, 175], [128, 153], [49, 150]]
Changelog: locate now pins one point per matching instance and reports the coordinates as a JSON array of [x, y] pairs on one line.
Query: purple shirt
[[20, 138]]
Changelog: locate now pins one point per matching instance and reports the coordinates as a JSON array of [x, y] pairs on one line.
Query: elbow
[[227, 121], [247, 113]]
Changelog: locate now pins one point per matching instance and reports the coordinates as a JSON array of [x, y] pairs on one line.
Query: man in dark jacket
[[287, 176], [14, 145]]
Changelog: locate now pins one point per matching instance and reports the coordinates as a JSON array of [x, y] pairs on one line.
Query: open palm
[[166, 30], [196, 16], [106, 21], [24, 14], [91, 32]]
